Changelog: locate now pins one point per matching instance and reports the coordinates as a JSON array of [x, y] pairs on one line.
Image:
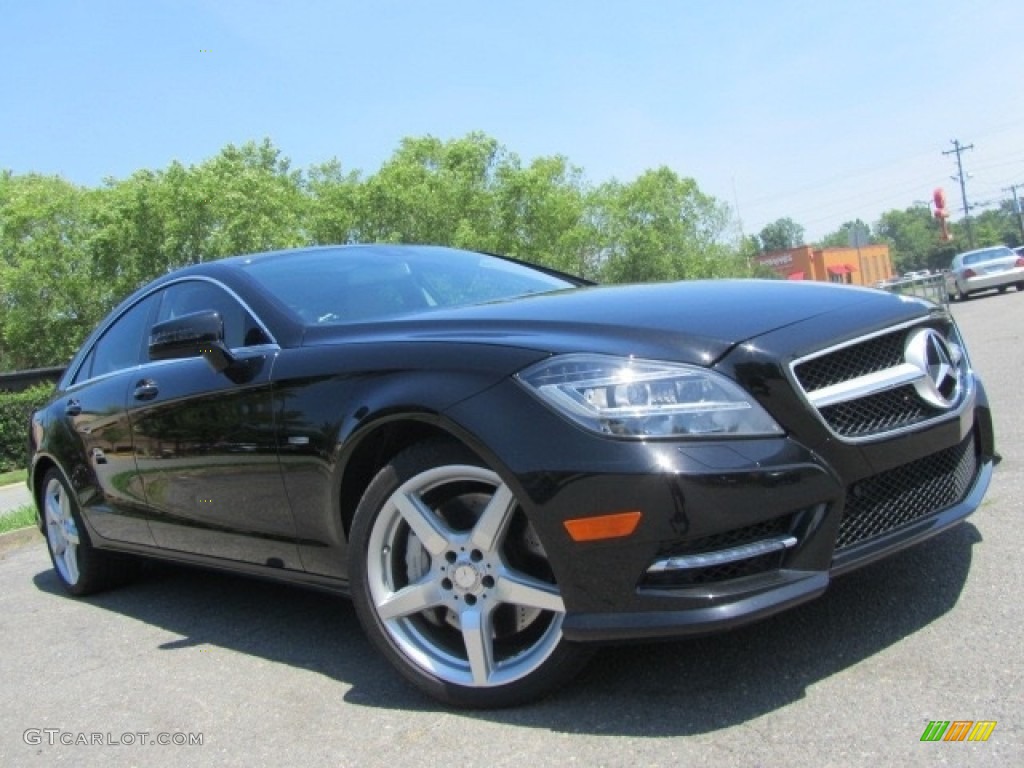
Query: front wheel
[[451, 582]]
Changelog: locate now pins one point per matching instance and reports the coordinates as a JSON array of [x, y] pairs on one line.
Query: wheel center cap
[[465, 576]]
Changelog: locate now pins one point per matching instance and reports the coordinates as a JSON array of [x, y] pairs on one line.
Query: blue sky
[[821, 111]]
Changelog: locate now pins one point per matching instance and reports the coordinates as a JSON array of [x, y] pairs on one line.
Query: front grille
[[902, 495], [862, 391], [847, 363], [879, 413]]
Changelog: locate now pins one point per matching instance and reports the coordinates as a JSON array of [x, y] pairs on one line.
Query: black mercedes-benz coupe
[[503, 465]]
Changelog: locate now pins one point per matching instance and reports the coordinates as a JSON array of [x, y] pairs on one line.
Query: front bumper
[[707, 497], [752, 598]]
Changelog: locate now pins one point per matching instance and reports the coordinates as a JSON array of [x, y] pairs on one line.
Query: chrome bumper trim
[[731, 555]]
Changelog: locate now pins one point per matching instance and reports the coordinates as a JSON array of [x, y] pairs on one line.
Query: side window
[[85, 369], [240, 329], [122, 345]]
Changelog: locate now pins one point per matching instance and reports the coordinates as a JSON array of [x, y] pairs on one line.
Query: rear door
[[101, 461]]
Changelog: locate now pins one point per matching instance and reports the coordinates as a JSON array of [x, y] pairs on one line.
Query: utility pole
[[1016, 207], [957, 149]]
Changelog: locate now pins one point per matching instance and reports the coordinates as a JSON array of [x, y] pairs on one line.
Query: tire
[[961, 295], [473, 617], [1020, 286], [81, 568]]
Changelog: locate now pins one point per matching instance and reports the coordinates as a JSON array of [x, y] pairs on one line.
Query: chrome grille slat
[[862, 386]]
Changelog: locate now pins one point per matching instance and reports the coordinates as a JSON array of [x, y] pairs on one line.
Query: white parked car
[[984, 269]]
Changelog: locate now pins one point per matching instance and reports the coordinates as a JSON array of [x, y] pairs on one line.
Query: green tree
[[913, 237], [662, 227], [127, 247], [781, 234], [1014, 209], [255, 201], [848, 235], [68, 254], [997, 226], [333, 204], [432, 191], [189, 218], [747, 249], [47, 278], [542, 215]]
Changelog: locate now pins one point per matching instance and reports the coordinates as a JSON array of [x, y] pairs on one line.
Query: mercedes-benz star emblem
[[928, 351]]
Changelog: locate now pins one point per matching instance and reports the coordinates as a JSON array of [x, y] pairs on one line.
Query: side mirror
[[198, 333]]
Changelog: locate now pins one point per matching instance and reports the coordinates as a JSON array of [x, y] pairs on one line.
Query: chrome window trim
[[271, 347], [229, 291], [268, 350]]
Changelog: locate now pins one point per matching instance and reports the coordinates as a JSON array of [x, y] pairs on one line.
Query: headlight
[[646, 398]]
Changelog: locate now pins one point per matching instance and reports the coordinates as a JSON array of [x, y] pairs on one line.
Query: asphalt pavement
[[262, 673]]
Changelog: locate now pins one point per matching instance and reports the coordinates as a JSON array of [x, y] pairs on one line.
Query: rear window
[[988, 254]]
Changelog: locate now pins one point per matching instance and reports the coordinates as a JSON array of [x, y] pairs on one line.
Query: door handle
[[72, 407], [146, 390]]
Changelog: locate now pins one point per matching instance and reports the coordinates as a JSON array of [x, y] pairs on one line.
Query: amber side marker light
[[613, 526]]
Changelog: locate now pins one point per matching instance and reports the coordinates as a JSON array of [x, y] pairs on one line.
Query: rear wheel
[[81, 568], [451, 582]]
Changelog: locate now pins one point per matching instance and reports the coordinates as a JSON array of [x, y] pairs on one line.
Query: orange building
[[867, 265]]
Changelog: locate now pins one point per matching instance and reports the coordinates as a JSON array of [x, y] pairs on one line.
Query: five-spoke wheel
[[80, 567], [61, 530], [452, 581]]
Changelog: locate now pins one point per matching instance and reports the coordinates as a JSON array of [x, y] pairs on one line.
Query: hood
[[693, 321]]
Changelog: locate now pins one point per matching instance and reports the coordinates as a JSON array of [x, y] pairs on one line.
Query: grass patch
[[22, 517], [14, 476]]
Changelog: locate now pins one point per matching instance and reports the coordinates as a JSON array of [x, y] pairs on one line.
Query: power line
[[957, 149], [841, 199]]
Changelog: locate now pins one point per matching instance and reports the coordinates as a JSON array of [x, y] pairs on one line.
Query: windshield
[[352, 284]]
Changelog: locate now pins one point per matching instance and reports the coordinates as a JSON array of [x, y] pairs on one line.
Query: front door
[[205, 444]]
